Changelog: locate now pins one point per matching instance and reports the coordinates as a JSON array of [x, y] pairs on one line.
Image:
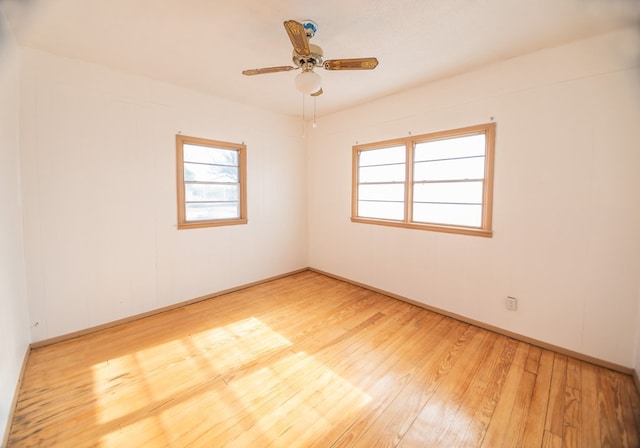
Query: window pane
[[210, 211], [383, 192], [215, 156], [384, 173], [210, 173], [208, 192], [470, 145], [450, 169], [385, 156], [457, 215], [382, 210], [457, 192]]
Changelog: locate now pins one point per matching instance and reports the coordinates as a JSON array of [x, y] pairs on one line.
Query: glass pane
[[457, 192], [382, 210], [467, 146], [209, 211], [205, 154], [384, 156], [383, 192], [457, 215], [450, 169], [384, 173], [208, 192], [210, 173]]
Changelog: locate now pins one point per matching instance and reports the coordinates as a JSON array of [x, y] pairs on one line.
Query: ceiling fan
[[307, 56]]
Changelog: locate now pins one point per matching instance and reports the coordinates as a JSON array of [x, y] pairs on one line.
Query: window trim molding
[[489, 129], [242, 162]]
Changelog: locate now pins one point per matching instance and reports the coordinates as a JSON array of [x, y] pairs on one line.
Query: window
[[211, 183], [441, 181]]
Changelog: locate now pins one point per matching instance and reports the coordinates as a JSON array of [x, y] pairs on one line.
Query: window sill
[[202, 224], [430, 227]]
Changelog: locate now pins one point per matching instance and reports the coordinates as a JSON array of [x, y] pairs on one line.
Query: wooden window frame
[[484, 230], [242, 162]]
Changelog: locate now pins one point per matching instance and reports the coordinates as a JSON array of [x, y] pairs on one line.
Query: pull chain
[[314, 125], [304, 130]]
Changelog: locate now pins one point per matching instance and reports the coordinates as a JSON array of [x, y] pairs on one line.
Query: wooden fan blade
[[318, 93], [298, 37], [261, 71], [351, 64]]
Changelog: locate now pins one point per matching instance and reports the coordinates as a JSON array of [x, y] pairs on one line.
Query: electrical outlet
[[511, 303]]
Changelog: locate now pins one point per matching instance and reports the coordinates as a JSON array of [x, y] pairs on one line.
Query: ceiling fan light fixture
[[308, 82]]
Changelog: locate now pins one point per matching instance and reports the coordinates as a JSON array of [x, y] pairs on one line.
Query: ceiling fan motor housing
[[315, 58]]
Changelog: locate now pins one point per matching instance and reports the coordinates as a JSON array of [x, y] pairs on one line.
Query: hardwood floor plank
[[533, 360], [573, 409], [499, 428], [608, 403], [311, 361], [590, 406], [632, 407], [555, 411], [483, 395], [624, 412], [517, 421], [535, 418], [551, 440]]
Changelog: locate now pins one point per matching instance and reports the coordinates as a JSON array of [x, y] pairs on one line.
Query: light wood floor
[[309, 361]]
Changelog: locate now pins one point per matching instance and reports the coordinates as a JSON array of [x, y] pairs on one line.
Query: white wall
[[566, 205], [14, 329], [99, 195]]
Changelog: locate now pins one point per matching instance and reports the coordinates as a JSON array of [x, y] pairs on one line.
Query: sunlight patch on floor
[[216, 383]]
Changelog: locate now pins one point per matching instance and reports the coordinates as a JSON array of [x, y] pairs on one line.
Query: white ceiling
[[205, 44]]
